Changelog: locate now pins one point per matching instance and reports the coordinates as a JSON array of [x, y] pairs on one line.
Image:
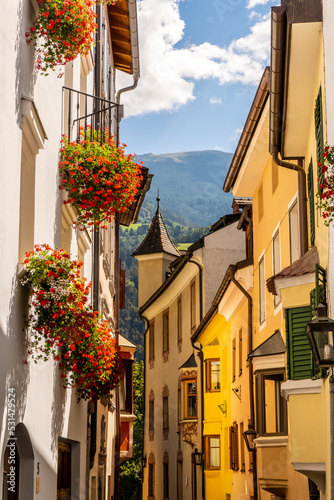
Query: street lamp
[[196, 457], [320, 334], [143, 461], [249, 437]]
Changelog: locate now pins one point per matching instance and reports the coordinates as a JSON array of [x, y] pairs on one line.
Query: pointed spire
[[157, 239]]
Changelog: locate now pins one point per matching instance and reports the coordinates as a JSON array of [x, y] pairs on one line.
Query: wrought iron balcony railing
[[83, 112]]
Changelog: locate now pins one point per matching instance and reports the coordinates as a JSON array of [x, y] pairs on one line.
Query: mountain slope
[[190, 185]]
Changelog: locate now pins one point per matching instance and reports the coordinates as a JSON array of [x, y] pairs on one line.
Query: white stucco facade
[[31, 125]]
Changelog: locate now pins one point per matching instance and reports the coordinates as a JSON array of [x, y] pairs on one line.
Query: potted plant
[[64, 327], [325, 193], [63, 29], [99, 178]]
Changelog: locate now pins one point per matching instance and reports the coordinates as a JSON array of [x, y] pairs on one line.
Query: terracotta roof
[[157, 239], [304, 265]]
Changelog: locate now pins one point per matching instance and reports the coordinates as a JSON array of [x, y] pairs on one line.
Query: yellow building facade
[[290, 241]]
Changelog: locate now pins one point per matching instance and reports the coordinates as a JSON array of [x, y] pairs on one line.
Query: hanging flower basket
[[325, 195], [99, 178], [63, 30], [64, 327]]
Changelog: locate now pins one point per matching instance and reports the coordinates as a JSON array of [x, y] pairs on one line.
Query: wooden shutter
[[319, 135], [300, 362], [234, 448], [310, 186], [122, 290]]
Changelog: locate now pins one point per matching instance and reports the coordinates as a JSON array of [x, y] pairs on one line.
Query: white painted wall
[[47, 410], [328, 20], [221, 248]]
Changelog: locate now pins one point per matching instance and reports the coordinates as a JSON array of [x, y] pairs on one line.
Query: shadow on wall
[[25, 71], [58, 410]]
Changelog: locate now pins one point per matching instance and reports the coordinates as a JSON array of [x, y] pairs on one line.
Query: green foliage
[[130, 473]]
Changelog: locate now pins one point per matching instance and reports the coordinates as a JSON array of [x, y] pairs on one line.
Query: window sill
[[271, 441], [262, 326], [188, 420], [298, 387]]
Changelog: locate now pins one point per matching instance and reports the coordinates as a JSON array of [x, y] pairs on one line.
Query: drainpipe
[[250, 370], [200, 355], [136, 73], [302, 198], [144, 406]]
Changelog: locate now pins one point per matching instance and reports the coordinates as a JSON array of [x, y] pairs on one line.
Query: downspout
[[132, 5], [302, 198], [276, 117], [144, 406], [250, 370], [92, 406], [200, 355]]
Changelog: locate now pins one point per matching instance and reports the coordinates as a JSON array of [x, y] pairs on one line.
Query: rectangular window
[[193, 307], [260, 201], [310, 188], [294, 233], [179, 480], [276, 260], [151, 341], [274, 171], [166, 482], [271, 406], [240, 352], [165, 332], [299, 355], [179, 403], [179, 320], [262, 291], [212, 452], [234, 450], [165, 412], [64, 469], [151, 481], [213, 375], [126, 385], [151, 415], [190, 406]]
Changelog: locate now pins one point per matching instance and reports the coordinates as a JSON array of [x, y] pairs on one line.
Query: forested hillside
[[130, 238]]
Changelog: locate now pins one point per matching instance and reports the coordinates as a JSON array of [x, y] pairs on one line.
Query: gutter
[[144, 395], [276, 121], [253, 117], [200, 355], [250, 369], [132, 6]]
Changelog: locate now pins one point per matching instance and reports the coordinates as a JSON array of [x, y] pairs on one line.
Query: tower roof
[[157, 239]]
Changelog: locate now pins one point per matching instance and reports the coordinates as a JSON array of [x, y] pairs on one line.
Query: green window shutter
[[319, 134], [300, 362], [310, 186]]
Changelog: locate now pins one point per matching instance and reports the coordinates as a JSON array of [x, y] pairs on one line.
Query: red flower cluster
[[326, 185], [63, 29], [65, 327], [99, 178]]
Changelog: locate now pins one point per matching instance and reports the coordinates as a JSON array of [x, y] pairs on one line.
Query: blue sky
[[201, 62]]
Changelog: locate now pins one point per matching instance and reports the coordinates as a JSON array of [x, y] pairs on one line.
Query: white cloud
[[215, 100], [169, 73], [253, 3]]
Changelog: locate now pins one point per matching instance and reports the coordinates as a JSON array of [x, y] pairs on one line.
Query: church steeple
[[157, 239], [154, 255]]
